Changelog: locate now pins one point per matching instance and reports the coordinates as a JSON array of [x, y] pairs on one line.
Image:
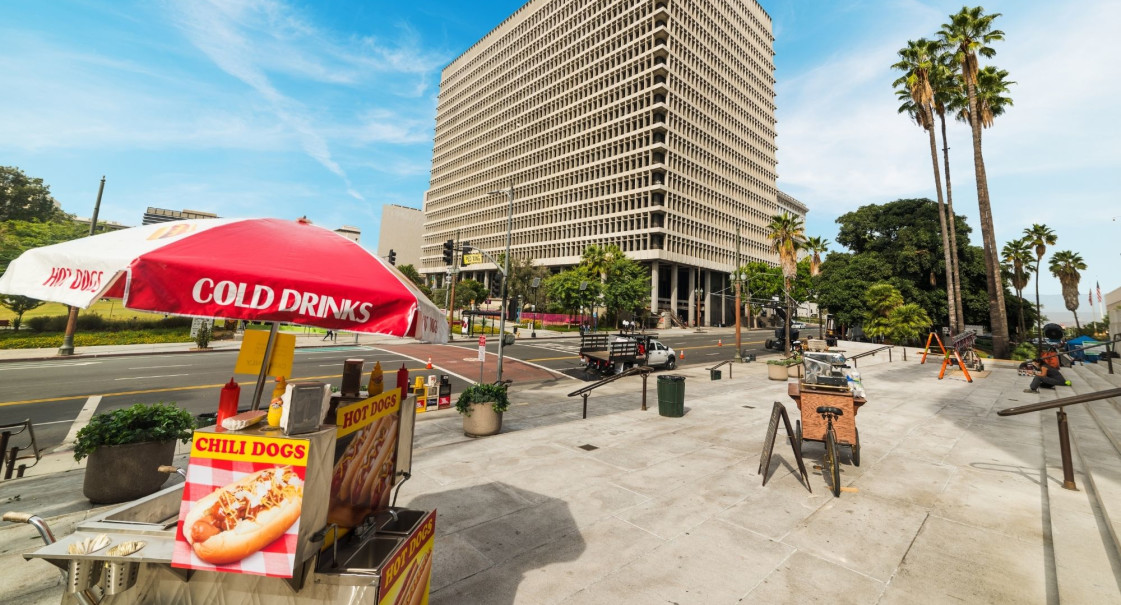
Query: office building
[[645, 124], [402, 230]]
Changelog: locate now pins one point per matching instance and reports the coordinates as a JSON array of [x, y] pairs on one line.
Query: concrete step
[[1101, 369], [1084, 523]]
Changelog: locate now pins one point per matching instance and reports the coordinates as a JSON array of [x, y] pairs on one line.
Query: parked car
[[797, 325]]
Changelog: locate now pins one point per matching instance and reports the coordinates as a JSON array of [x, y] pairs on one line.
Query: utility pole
[[739, 304], [67, 347], [451, 289], [505, 277]]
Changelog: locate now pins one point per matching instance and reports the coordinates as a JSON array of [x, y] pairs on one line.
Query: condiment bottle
[[375, 387], [276, 406], [228, 400]]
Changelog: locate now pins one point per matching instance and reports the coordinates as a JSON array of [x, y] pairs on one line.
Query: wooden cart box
[[809, 399]]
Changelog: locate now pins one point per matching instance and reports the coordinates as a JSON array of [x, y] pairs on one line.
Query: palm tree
[[786, 233], [992, 96], [969, 34], [1066, 265], [916, 61], [1018, 254], [816, 245], [1039, 236], [946, 87]]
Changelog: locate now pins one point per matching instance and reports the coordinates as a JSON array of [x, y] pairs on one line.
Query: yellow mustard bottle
[[375, 386], [276, 406]]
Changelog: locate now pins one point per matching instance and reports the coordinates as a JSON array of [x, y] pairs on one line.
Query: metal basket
[[119, 577], [82, 574]]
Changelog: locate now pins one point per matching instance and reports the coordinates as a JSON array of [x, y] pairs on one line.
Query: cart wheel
[[831, 462], [856, 449]]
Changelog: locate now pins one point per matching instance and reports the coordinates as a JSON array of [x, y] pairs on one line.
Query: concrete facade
[[163, 215], [1113, 312], [402, 230], [648, 125]]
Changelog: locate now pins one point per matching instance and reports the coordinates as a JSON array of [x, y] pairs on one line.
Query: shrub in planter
[[482, 406], [126, 446]]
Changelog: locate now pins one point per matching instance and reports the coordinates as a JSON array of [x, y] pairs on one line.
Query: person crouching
[[1045, 375]]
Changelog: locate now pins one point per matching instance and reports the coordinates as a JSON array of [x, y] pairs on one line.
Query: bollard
[[644, 376], [1064, 450], [1109, 356], [585, 396]]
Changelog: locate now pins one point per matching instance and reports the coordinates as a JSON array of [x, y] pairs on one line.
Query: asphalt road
[[52, 393]]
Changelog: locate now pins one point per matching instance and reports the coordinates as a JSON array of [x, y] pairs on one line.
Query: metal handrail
[[1058, 403], [643, 370], [1108, 350], [888, 348], [1064, 431], [727, 362]]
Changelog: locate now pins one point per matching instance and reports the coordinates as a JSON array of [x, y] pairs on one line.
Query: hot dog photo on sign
[[365, 459], [239, 514]]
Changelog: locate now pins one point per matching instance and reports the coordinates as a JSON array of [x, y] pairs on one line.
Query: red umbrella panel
[[253, 269]]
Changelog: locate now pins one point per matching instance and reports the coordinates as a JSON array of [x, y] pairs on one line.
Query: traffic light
[[392, 256], [449, 251], [496, 285]]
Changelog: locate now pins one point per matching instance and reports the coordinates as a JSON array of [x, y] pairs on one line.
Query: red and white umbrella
[[253, 269]]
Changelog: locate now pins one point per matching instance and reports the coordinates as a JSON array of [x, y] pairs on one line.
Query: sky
[[326, 110]]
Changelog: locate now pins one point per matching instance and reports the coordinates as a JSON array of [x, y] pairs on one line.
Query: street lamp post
[[536, 283], [505, 274], [700, 297], [738, 277], [67, 347]]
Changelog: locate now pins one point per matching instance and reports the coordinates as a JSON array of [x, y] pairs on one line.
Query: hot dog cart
[[384, 559]]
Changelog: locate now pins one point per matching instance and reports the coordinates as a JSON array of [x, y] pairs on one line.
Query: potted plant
[[482, 406], [776, 369], [794, 366], [126, 446]]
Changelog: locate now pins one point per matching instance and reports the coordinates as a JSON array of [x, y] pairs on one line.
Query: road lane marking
[[143, 377], [35, 366], [83, 418], [178, 365], [425, 369], [53, 422], [166, 390]]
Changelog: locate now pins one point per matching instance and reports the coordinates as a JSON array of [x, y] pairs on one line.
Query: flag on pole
[[1090, 298], [1099, 288]]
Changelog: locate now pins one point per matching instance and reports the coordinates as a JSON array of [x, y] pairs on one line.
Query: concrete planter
[[777, 372], [118, 473], [794, 371], [482, 421]]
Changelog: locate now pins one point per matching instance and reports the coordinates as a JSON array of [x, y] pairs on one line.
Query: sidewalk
[[629, 506]]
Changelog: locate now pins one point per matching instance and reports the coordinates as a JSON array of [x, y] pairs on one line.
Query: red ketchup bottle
[[227, 403], [403, 381]]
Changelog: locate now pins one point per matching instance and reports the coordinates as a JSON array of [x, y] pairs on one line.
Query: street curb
[[138, 353]]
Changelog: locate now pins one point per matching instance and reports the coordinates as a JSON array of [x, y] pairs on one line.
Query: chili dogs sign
[[365, 458], [241, 504]]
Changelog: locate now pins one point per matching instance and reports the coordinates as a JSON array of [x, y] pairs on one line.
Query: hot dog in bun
[[237, 520]]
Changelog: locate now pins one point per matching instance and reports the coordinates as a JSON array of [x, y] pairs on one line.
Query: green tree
[[1017, 255], [880, 300], [917, 61], [907, 322], [19, 305], [627, 288], [969, 34], [1039, 236], [564, 292], [786, 233], [1067, 266], [16, 237], [469, 290], [23, 198], [522, 272], [816, 246]]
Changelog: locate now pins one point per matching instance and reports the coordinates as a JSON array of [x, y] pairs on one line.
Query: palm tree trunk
[[1020, 296], [950, 313], [1038, 311], [998, 316], [1077, 326], [959, 309]]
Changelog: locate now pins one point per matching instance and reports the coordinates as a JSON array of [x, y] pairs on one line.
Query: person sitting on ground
[[1046, 376]]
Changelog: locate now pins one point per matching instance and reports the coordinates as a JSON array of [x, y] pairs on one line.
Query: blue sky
[[326, 109]]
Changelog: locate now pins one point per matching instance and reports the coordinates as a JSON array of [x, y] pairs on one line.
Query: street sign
[[473, 259], [482, 348]]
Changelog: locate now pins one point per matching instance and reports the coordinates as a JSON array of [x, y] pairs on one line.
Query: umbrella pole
[[265, 366]]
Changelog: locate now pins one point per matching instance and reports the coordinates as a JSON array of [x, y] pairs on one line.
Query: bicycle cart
[[815, 426]]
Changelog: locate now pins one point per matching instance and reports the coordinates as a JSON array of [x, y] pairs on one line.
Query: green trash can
[[714, 374], [671, 396]]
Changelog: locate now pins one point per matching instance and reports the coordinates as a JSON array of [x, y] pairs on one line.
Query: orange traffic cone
[[682, 353], [719, 342], [429, 366]]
